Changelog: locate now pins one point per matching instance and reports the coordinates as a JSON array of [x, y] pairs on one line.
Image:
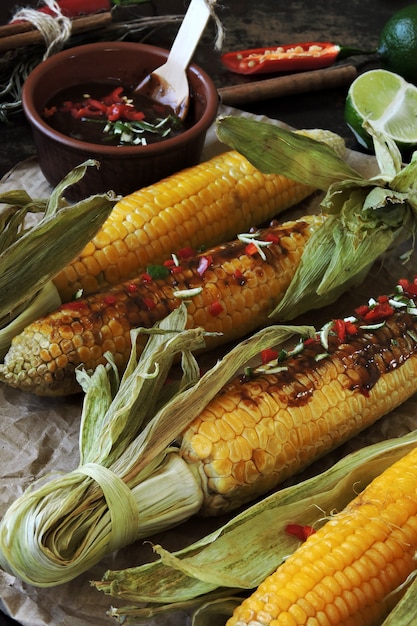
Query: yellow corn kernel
[[296, 416], [199, 206], [339, 598]]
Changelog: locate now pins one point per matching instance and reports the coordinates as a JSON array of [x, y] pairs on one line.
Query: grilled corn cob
[[203, 205], [243, 440], [268, 426], [231, 290], [344, 573]]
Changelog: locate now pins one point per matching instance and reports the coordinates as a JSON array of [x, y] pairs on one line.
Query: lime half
[[388, 102]]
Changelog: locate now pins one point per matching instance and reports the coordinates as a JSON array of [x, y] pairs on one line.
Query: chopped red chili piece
[[175, 269], [269, 354], [410, 289], [379, 312], [309, 341], [147, 278], [251, 249], [272, 237], [362, 310], [299, 531], [186, 253], [215, 308], [340, 329], [351, 328], [131, 287]]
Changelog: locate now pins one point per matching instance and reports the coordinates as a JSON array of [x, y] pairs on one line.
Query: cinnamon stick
[[315, 80], [21, 35]]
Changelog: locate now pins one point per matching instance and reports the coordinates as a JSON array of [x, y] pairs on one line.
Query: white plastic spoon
[[168, 84]]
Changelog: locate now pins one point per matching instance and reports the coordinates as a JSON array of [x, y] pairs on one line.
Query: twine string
[[55, 29]]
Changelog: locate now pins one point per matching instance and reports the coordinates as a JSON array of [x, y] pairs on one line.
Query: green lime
[[389, 102], [397, 44]]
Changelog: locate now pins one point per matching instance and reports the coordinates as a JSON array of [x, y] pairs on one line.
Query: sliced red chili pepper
[[340, 329], [76, 8], [351, 328], [362, 310], [410, 289], [272, 237], [186, 253], [299, 531], [216, 308], [309, 55], [147, 278], [269, 354], [251, 249], [309, 341], [379, 312]]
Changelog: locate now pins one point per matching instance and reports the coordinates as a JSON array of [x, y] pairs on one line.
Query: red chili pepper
[[269, 354], [272, 238], [310, 55], [377, 313], [251, 249], [410, 289], [299, 531], [76, 8], [215, 308], [147, 278], [186, 253]]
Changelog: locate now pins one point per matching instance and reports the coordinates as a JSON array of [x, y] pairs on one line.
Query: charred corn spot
[[202, 205], [373, 541]]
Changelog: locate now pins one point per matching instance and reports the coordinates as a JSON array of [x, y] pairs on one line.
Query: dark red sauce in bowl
[[111, 114]]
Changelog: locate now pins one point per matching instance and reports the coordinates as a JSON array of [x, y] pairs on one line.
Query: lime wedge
[[388, 102]]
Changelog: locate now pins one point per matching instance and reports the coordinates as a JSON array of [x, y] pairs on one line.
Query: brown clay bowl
[[123, 169]]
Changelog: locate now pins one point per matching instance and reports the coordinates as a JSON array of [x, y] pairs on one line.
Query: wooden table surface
[[248, 24]]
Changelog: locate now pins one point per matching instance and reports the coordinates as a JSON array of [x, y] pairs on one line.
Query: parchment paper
[[39, 436]]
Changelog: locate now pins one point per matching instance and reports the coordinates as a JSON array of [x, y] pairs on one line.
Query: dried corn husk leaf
[[241, 553], [130, 482], [367, 217], [50, 243]]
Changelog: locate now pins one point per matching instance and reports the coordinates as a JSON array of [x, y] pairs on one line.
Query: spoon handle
[[189, 33]]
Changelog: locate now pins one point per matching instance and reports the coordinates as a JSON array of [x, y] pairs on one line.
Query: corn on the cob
[[203, 205], [231, 290], [242, 441], [343, 574], [266, 427]]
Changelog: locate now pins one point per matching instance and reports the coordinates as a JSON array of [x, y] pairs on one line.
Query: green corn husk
[[31, 255], [130, 481], [211, 575], [366, 217]]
